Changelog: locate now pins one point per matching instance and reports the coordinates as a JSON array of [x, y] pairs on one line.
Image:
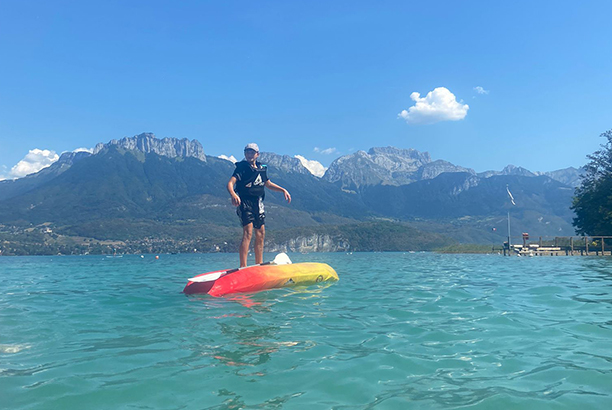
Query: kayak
[[260, 277]]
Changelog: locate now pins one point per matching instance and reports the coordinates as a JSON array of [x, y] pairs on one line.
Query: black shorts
[[251, 210]]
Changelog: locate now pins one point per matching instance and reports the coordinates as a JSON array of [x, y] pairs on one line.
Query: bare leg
[[247, 233], [260, 234]]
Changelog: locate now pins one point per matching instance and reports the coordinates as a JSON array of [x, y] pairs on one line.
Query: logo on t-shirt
[[258, 181]]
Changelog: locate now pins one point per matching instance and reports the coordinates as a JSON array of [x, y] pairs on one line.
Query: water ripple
[[416, 331]]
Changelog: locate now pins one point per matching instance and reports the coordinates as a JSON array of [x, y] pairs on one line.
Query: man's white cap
[[251, 145]]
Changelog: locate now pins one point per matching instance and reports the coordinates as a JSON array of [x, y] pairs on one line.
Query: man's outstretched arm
[[271, 185]]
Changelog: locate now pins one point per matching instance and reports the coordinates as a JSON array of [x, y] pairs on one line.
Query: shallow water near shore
[[398, 331]]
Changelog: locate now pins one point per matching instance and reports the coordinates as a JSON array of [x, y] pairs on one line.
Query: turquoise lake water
[[398, 331]]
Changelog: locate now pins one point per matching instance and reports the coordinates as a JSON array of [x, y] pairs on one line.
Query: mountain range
[[144, 190], [395, 166]]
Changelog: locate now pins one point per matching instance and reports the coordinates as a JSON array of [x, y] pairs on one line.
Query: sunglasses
[[250, 150]]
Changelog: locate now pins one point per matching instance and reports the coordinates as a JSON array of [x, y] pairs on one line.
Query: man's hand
[[287, 196], [230, 188]]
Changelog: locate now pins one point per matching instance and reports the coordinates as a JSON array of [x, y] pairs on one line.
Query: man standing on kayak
[[247, 189]]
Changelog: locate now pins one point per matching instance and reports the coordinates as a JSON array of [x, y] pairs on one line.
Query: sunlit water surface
[[399, 331]]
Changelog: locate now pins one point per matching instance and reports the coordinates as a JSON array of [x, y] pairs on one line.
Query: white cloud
[[481, 90], [34, 161], [315, 167], [231, 158], [326, 151], [438, 105], [90, 150]]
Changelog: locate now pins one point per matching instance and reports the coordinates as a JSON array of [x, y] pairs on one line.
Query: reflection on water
[[248, 345], [249, 341]]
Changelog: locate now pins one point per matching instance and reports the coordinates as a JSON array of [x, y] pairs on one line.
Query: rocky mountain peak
[[168, 147], [388, 166], [283, 162], [400, 152], [569, 176], [508, 170], [514, 170]]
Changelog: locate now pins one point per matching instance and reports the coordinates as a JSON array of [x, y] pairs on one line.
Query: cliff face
[[311, 243], [168, 147]]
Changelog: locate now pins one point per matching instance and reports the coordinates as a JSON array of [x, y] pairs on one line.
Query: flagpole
[[513, 203], [508, 230]]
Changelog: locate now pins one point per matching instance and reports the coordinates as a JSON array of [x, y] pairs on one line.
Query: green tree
[[593, 198]]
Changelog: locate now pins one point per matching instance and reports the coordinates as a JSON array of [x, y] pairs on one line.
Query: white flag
[[510, 195]]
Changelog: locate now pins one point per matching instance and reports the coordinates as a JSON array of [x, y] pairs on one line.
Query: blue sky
[[299, 75]]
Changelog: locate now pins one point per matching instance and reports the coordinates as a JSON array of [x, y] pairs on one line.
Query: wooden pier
[[560, 246]]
